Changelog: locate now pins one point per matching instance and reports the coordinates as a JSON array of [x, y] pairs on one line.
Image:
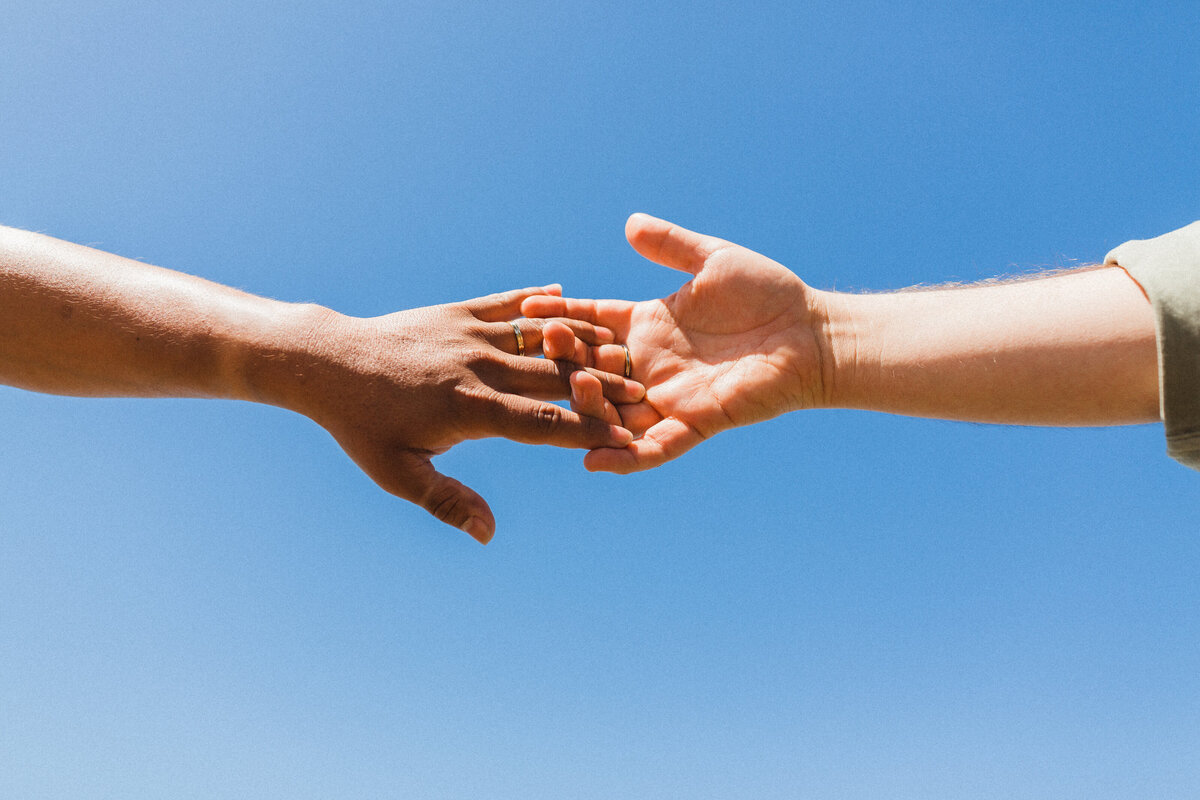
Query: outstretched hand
[[396, 390], [735, 345]]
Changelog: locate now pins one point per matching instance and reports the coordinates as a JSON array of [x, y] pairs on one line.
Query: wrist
[[832, 319], [279, 355]]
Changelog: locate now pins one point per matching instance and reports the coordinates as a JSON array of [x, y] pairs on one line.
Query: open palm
[[732, 347]]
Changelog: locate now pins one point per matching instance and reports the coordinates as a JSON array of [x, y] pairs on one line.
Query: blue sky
[[206, 599]]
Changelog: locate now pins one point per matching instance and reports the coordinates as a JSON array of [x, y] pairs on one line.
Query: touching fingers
[[547, 306], [550, 380], [525, 336], [587, 398], [560, 344], [506, 305], [638, 417], [612, 314], [666, 440], [613, 358], [536, 422]]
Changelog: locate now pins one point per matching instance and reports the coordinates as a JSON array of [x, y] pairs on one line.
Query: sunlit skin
[[746, 339], [394, 390], [734, 346]]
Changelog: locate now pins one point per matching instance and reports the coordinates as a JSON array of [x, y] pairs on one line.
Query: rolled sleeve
[[1168, 270]]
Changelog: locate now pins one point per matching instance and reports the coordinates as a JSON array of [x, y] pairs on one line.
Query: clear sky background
[[205, 599]]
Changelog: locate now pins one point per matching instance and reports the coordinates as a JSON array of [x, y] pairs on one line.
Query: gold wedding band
[[628, 362], [521, 343]]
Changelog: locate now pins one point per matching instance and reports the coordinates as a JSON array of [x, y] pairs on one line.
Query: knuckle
[[471, 397], [605, 385], [476, 358], [453, 315], [469, 401], [446, 504], [476, 330], [548, 417]]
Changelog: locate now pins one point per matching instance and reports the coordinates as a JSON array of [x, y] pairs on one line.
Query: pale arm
[[746, 340], [394, 391], [1068, 349]]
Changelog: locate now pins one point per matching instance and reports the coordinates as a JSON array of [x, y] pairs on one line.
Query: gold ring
[[628, 362], [521, 339]]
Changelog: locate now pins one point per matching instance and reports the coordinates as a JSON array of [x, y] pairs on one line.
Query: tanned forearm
[[393, 390], [1070, 349], [79, 321]]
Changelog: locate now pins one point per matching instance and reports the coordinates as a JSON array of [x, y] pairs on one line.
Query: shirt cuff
[[1168, 270]]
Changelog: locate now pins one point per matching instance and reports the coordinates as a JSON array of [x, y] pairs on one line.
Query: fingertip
[[637, 220], [558, 341], [537, 305], [633, 225], [554, 289], [579, 391], [605, 459], [621, 436], [592, 461], [591, 391], [479, 529], [480, 524]]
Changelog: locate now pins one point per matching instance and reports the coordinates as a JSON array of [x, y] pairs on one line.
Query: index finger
[[612, 314], [503, 306]]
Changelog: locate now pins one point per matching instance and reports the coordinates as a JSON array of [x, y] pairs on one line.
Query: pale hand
[[734, 346]]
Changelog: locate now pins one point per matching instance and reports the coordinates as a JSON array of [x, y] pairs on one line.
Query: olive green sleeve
[[1168, 270]]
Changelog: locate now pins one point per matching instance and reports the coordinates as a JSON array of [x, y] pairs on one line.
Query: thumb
[[670, 245], [447, 499]]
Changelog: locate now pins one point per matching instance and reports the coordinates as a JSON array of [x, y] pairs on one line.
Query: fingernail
[[478, 530], [621, 435]]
